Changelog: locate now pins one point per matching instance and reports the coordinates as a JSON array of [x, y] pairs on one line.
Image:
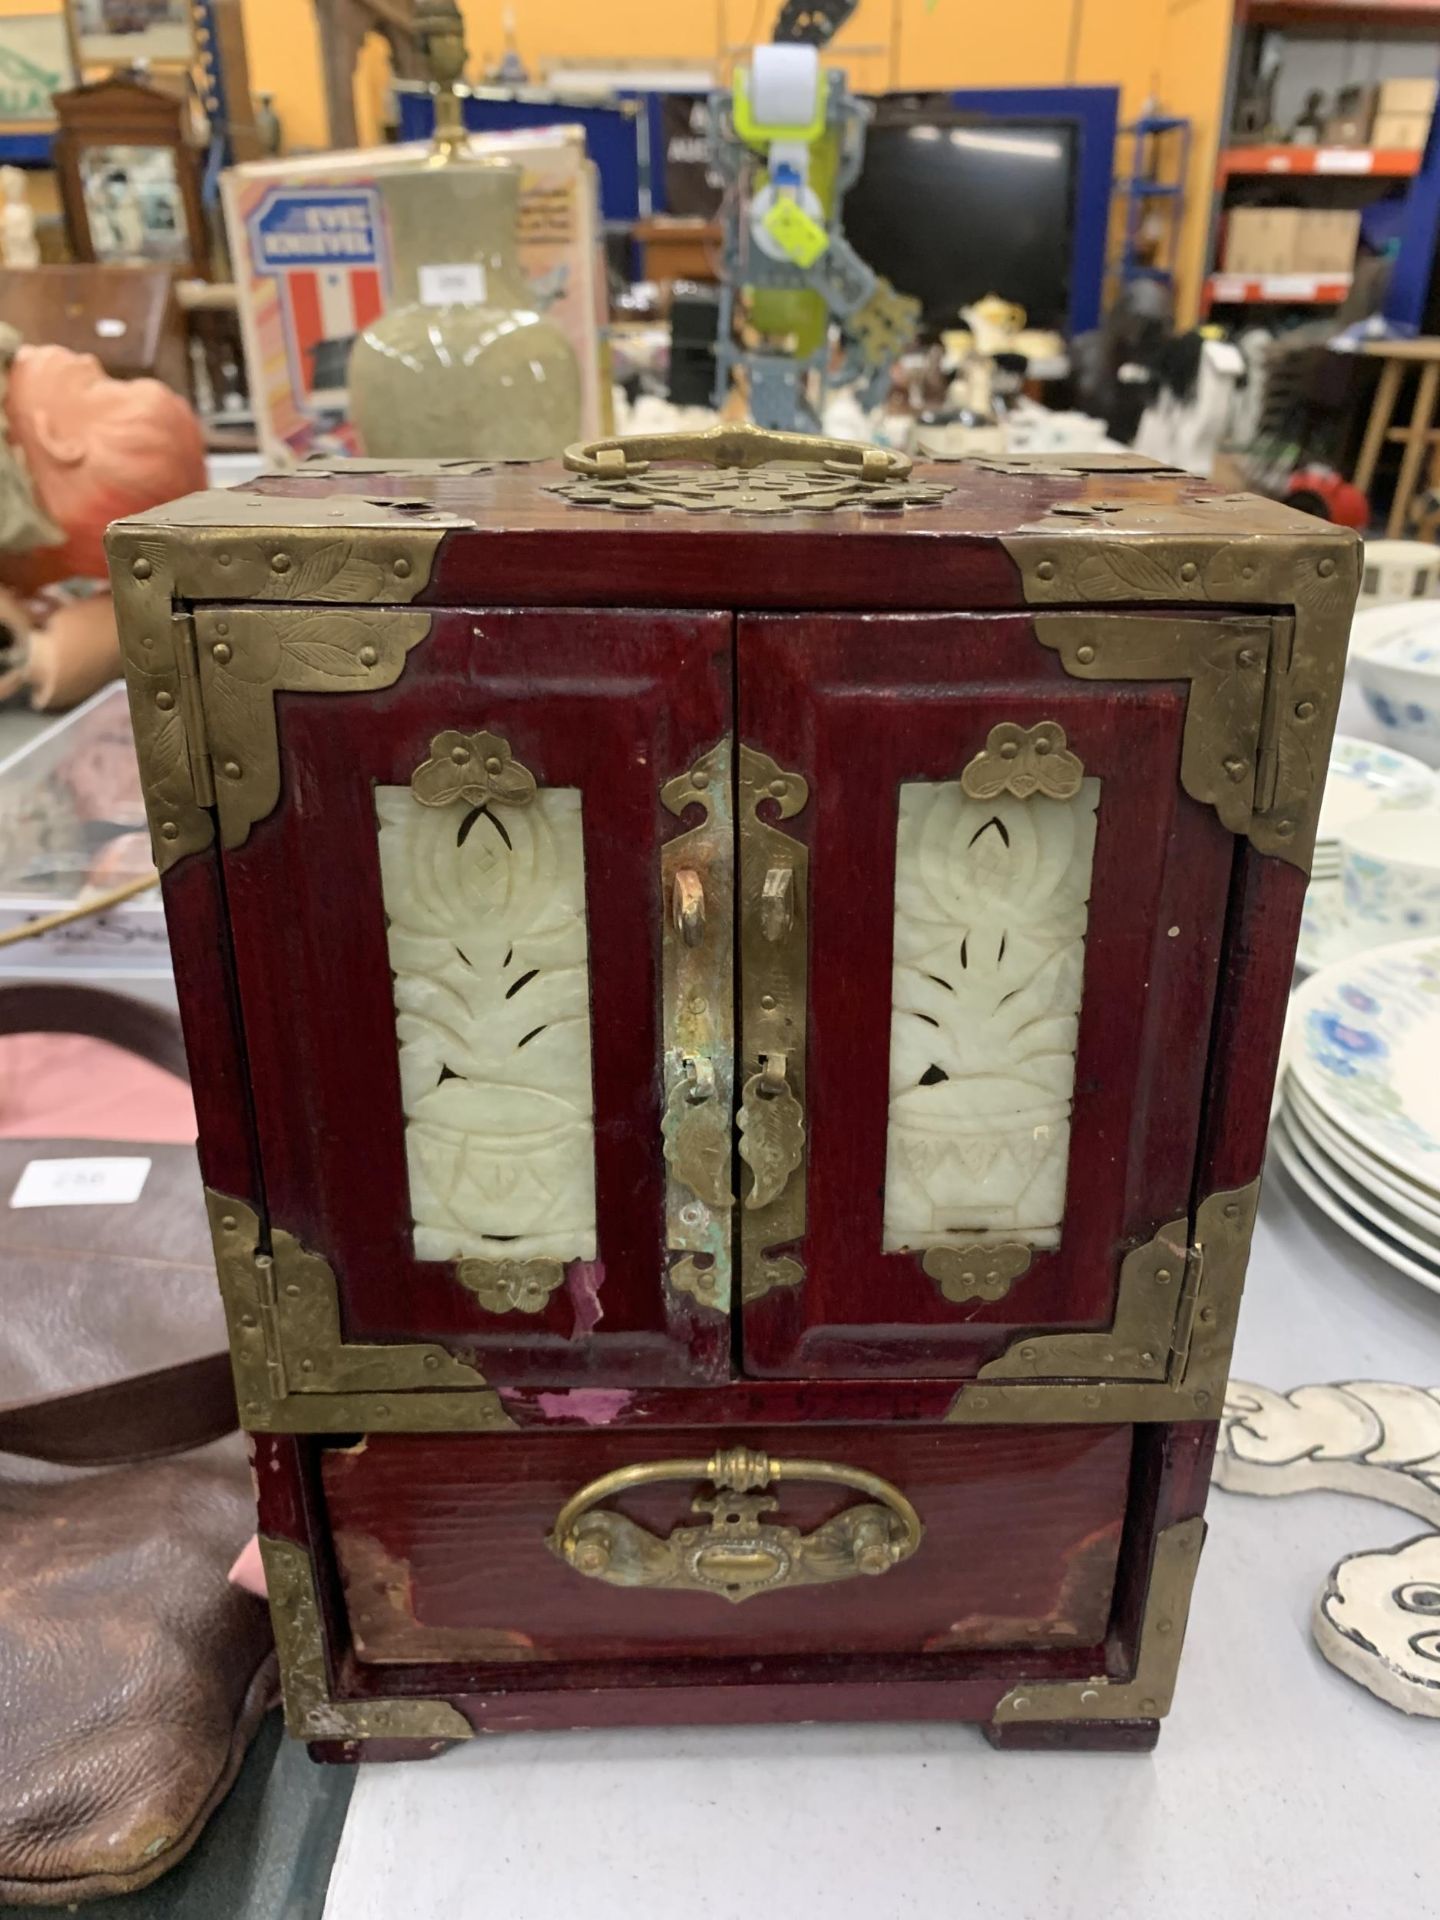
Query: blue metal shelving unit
[[1142, 185]]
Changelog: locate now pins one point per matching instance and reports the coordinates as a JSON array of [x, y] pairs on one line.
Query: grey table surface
[[1278, 1786]]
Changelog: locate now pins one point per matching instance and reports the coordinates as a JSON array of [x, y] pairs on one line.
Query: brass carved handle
[[732, 446], [772, 1130], [738, 1554], [688, 906]]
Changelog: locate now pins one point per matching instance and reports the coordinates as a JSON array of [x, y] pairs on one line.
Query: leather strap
[[62, 1007], [147, 1415], [144, 1417]]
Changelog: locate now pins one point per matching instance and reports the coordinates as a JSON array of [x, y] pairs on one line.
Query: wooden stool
[[1421, 433]]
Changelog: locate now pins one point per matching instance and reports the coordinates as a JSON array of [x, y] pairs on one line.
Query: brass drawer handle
[[732, 446], [738, 1554]]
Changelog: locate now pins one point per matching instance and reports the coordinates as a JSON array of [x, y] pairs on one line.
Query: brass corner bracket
[[1148, 1693], [307, 591], [1166, 1354], [311, 1710], [294, 1370], [1258, 728]]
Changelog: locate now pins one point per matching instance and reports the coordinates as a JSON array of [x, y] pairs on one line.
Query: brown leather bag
[[132, 1674]]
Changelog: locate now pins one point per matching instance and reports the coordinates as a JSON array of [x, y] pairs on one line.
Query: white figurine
[[18, 245]]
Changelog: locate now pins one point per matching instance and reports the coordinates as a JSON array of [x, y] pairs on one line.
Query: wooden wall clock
[[129, 178], [733, 1063]]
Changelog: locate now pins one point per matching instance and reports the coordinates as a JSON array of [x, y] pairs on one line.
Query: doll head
[[96, 449]]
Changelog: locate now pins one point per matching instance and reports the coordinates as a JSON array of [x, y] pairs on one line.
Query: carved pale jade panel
[[991, 900], [488, 946]]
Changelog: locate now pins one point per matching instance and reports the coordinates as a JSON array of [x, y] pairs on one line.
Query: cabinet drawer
[[444, 1543]]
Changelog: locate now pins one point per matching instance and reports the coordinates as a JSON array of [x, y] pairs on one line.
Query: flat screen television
[[951, 206]]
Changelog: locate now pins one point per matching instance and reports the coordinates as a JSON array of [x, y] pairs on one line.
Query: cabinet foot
[[1073, 1736], [349, 1753]]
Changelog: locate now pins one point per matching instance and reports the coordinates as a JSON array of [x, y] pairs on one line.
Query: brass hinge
[[1277, 681], [1184, 1328], [192, 709]]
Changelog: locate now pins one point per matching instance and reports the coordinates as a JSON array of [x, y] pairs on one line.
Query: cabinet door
[[453, 933], [980, 923]]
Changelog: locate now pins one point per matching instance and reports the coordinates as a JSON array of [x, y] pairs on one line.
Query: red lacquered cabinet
[[733, 1064]]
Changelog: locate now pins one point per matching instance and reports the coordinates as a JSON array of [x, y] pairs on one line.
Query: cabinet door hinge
[[192, 709], [1277, 681], [1185, 1313]]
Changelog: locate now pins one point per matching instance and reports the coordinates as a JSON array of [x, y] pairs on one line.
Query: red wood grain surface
[[859, 705], [612, 703], [441, 1545]]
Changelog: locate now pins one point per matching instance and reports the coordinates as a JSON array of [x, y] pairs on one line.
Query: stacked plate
[[1358, 1124], [1363, 779]]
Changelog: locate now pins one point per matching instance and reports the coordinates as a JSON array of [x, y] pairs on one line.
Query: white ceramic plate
[[1366, 1049], [1359, 1196], [1325, 934], [1371, 1174], [1362, 779], [1346, 1217]]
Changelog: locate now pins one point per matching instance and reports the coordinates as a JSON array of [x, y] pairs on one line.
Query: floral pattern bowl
[[1395, 658]]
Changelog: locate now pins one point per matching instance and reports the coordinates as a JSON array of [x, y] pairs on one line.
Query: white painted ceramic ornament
[[1378, 1617]]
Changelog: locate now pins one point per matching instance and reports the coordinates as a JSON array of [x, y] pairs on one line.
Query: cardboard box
[[1401, 132], [1406, 96], [1326, 241], [312, 263], [1261, 239]]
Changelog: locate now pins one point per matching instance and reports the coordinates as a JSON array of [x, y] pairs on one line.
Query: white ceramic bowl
[[1396, 570], [1395, 659]]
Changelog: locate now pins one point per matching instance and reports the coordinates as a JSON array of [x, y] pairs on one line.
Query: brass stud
[[1232, 1210], [227, 1221], [1189, 571], [1247, 656], [1045, 570], [368, 656], [1020, 1704], [1284, 828], [308, 1366], [231, 769], [1149, 1706], [247, 1320], [402, 569], [1235, 768], [1085, 654], [767, 1001], [1325, 568], [1092, 1400], [1089, 1696], [779, 788], [1164, 1626], [1202, 1399], [460, 755], [280, 563], [1163, 1276], [220, 653], [432, 1361], [1009, 750], [1042, 745], [1304, 709], [699, 778], [165, 701], [223, 557], [979, 1400], [169, 830], [142, 569], [1027, 1353], [1207, 1314], [292, 1291], [494, 765]]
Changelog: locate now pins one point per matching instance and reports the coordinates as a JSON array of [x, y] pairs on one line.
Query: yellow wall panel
[[959, 43], [282, 50]]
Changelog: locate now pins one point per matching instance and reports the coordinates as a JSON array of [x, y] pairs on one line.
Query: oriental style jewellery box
[[733, 987]]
